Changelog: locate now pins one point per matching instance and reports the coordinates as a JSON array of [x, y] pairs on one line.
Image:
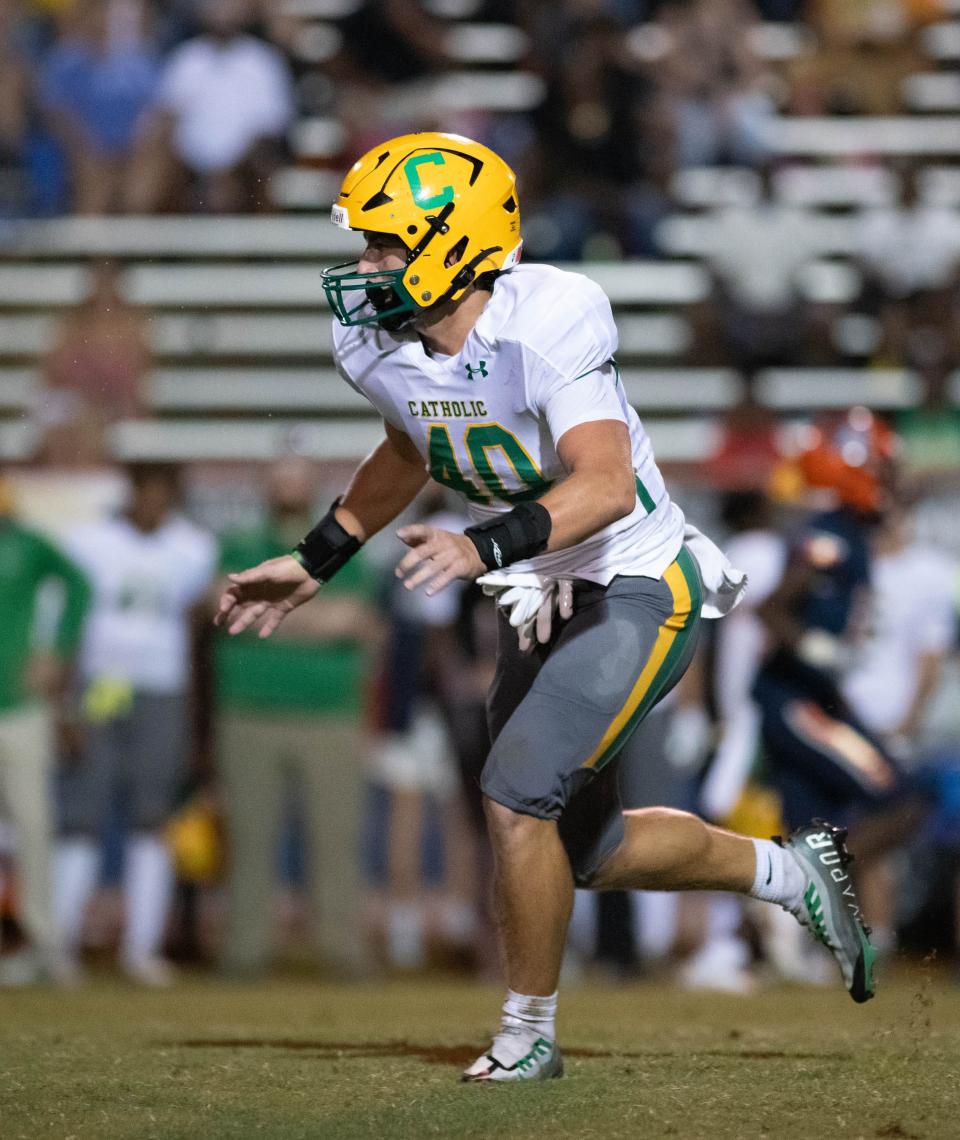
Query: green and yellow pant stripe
[[669, 657]]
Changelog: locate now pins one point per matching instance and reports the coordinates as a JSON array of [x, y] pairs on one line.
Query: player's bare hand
[[436, 557], [264, 595]]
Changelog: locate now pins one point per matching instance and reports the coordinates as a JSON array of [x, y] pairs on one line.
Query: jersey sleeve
[[584, 399], [76, 603], [569, 342]]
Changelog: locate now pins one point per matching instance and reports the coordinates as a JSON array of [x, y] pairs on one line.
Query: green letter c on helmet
[[434, 158]]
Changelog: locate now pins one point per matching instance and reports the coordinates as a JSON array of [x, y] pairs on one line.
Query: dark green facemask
[[383, 299]]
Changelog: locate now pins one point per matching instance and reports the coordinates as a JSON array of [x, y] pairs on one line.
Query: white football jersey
[[143, 587], [487, 422], [913, 613]]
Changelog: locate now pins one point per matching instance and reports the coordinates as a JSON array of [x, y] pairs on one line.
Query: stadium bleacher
[[237, 320], [217, 323]]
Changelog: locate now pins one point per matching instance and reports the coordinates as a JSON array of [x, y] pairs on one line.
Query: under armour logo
[[480, 369]]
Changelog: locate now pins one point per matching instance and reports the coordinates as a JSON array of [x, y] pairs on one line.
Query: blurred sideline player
[[499, 381], [821, 758], [738, 648], [897, 671], [412, 757], [909, 635], [34, 703], [148, 568]]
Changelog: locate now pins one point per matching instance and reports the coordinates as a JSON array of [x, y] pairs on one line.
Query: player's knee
[[516, 776], [505, 824]]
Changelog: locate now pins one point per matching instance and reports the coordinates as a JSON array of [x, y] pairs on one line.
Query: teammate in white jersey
[[499, 382]]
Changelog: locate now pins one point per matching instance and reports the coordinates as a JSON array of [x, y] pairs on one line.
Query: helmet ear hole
[[456, 253]]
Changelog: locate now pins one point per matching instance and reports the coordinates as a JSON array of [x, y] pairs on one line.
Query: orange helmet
[[852, 454]]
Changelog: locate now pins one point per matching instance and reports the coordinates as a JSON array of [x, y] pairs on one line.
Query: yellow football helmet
[[451, 201]]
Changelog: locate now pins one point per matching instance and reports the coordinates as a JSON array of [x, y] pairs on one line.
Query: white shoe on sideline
[[721, 965], [154, 972]]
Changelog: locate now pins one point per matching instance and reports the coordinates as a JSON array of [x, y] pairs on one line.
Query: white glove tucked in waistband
[[529, 601], [723, 584]]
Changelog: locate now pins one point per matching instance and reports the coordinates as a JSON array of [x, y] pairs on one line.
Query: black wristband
[[326, 548], [519, 534]]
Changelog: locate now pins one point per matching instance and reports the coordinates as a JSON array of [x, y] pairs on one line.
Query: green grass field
[[298, 1059]]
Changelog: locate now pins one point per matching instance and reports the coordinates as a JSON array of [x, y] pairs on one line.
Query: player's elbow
[[621, 496]]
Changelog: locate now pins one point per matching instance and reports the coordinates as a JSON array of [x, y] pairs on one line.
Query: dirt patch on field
[[464, 1054]]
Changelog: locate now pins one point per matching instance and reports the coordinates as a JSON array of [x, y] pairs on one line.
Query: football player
[[820, 755], [821, 759], [499, 381]]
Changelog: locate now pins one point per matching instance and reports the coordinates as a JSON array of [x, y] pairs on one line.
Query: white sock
[[405, 935], [147, 891], [532, 1012], [724, 916], [779, 877], [458, 922], [75, 870]]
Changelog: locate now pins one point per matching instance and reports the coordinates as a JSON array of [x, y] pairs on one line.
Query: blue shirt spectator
[[103, 88]]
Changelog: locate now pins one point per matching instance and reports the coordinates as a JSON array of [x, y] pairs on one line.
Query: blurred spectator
[[33, 683], [95, 84], [175, 21], [224, 105], [910, 256], [864, 51], [596, 179], [32, 176], [391, 41], [712, 85], [95, 373], [756, 253], [749, 447], [288, 730], [14, 111], [149, 568]]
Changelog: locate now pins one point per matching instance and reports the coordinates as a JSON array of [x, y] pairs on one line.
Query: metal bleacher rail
[[241, 338], [238, 324]]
